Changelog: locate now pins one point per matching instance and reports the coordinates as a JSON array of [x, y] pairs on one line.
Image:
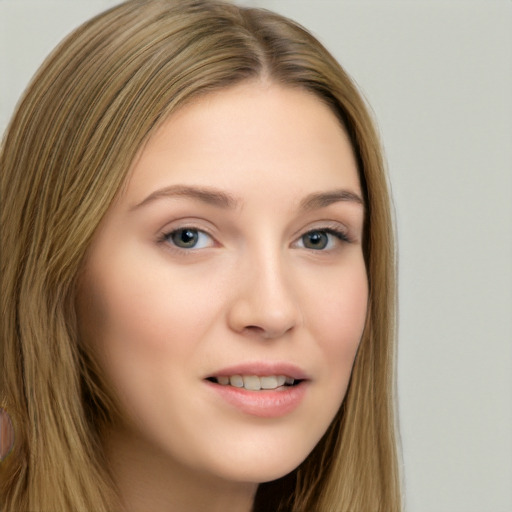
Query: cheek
[[142, 307], [144, 329], [147, 325], [337, 320], [344, 313]]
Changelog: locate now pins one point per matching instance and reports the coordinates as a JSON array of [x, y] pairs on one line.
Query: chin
[[257, 473], [260, 462]]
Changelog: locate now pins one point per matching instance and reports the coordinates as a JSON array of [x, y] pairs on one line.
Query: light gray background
[[439, 78]]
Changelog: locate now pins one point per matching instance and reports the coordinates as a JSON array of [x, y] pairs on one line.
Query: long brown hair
[[64, 157]]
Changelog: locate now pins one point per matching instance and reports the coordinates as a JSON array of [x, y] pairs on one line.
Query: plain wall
[[438, 75]]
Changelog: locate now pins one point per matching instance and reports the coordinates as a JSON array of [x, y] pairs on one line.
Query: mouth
[[260, 391], [255, 382]]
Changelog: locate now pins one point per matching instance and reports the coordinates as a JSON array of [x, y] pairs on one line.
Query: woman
[[199, 296]]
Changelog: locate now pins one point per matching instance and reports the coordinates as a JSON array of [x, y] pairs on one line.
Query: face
[[225, 291]]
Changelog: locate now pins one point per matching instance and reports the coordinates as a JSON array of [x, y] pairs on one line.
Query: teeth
[[237, 381], [255, 383], [252, 382], [268, 382]]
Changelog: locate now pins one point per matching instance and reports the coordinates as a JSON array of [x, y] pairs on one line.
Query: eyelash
[[165, 238], [329, 247], [338, 233]]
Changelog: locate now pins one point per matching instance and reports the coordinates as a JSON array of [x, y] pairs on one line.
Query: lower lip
[[265, 403]]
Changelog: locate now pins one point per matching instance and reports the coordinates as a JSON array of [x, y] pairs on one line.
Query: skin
[[161, 318]]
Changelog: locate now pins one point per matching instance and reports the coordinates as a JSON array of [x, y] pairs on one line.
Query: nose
[[264, 303]]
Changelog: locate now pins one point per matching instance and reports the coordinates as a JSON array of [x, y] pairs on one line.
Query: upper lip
[[262, 369]]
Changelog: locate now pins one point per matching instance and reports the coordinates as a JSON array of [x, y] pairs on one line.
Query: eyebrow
[[222, 199], [323, 199], [207, 195]]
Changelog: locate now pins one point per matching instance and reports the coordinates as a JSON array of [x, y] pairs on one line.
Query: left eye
[[189, 238], [320, 239]]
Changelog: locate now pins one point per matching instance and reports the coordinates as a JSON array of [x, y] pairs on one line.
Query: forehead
[[249, 136]]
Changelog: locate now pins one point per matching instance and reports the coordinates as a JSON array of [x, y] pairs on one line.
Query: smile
[[254, 382], [246, 394]]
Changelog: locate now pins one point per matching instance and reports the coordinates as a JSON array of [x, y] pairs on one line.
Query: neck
[[148, 479]]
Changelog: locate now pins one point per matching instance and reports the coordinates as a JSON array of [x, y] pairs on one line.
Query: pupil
[[316, 240], [185, 237]]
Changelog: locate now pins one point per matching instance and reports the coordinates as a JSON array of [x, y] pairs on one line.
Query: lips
[[261, 389], [262, 369]]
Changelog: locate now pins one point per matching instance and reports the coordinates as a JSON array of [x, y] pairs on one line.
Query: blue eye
[[189, 238], [321, 239]]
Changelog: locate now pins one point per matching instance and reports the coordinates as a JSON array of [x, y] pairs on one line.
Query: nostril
[[254, 329]]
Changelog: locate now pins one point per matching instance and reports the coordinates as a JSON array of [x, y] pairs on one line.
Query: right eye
[[189, 238]]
